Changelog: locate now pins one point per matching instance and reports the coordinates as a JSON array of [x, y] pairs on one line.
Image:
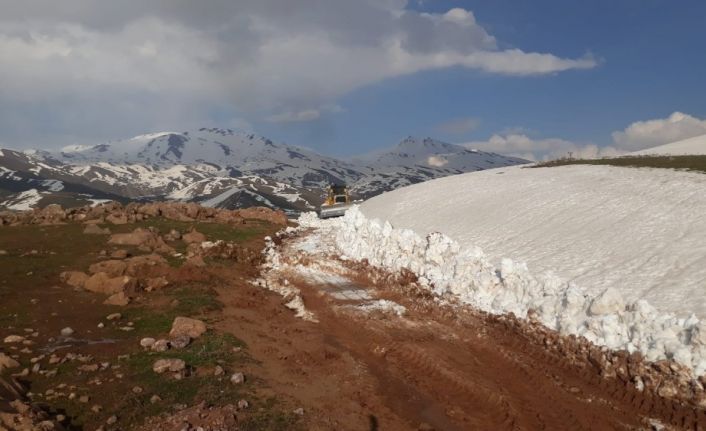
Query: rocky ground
[[170, 317]]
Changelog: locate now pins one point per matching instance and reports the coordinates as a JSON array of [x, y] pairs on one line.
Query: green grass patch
[[213, 231], [190, 301], [205, 352], [689, 163]]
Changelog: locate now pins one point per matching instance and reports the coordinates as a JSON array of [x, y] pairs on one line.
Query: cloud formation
[[83, 69], [651, 133], [521, 145]]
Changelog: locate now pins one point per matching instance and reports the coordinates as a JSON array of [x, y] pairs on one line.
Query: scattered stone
[[243, 404], [112, 267], [180, 342], [117, 219], [84, 399], [75, 279], [193, 237], [137, 390], [173, 365], [154, 399], [114, 316], [218, 371], [10, 339], [101, 325], [237, 378], [147, 342], [155, 283], [111, 420], [3, 253], [102, 283], [299, 411], [96, 408], [187, 326], [7, 362], [119, 254], [160, 346], [67, 332], [120, 299]]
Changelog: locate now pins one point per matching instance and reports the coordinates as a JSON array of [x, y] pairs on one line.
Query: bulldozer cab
[[337, 194]]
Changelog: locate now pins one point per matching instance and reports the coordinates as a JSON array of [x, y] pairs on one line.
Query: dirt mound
[[117, 214]]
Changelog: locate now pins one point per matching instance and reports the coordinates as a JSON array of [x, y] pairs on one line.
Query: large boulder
[[104, 283], [7, 362], [135, 238], [120, 299], [138, 266], [117, 218], [144, 239], [193, 237], [74, 278], [187, 326], [112, 267]]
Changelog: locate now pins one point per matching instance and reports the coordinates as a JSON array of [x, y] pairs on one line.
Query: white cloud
[[651, 133], [295, 117], [145, 63], [459, 126], [437, 161], [521, 145]]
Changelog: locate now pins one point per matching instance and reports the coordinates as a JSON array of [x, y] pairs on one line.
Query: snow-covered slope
[[642, 231], [691, 146], [415, 160], [228, 168], [240, 152]]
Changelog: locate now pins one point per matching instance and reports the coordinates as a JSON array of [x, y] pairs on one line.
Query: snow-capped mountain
[[237, 152], [221, 167], [416, 160]]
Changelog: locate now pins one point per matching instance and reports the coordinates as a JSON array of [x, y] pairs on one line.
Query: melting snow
[[446, 268]]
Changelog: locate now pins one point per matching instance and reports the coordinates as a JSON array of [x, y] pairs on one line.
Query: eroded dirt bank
[[384, 355]]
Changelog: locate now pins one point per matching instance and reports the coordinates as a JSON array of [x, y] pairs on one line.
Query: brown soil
[[436, 368]]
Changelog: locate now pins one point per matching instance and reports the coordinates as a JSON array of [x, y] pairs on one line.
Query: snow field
[[465, 273]]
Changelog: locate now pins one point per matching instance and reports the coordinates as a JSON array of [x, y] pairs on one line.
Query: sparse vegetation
[[689, 163], [33, 297]]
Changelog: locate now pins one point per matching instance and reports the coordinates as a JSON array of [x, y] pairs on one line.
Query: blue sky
[[652, 62], [344, 77]]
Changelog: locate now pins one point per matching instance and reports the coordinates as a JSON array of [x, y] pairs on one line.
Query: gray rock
[[237, 378], [172, 365], [160, 346], [179, 342]]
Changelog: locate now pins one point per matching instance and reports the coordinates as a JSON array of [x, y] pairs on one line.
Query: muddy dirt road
[[383, 356]]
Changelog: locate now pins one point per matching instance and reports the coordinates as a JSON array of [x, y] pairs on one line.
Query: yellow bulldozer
[[337, 202]]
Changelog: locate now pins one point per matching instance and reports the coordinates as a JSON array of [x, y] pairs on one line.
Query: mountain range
[[222, 168]]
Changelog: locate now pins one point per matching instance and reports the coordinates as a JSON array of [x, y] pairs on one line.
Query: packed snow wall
[[446, 268]]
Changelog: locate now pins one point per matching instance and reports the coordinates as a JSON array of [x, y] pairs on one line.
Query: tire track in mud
[[420, 367], [621, 395], [464, 370]]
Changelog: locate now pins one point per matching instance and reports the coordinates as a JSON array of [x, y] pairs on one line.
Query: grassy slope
[[30, 300], [689, 163]]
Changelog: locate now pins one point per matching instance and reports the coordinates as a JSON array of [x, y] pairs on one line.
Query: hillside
[[220, 167], [640, 230], [691, 146]]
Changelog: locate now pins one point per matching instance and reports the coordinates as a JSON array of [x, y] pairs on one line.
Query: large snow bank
[[641, 231], [447, 268], [691, 146]]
